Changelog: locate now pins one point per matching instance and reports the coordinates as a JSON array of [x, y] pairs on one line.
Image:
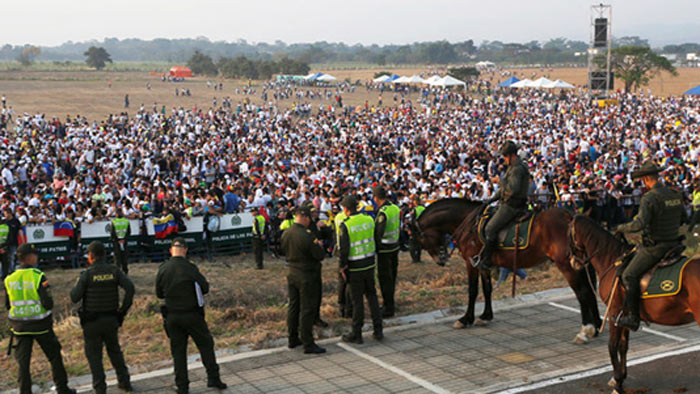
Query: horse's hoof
[[616, 391], [459, 325], [481, 323], [612, 382], [581, 339]]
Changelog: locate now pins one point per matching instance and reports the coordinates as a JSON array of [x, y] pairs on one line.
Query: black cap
[[509, 148], [349, 202], [25, 250], [379, 192], [179, 242], [97, 248], [303, 210]]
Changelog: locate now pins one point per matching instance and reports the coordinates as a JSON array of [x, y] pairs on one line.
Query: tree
[[463, 73], [636, 65], [200, 63], [97, 57], [28, 55]]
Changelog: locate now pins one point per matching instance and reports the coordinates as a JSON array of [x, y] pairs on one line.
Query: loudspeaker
[[597, 79], [600, 35]]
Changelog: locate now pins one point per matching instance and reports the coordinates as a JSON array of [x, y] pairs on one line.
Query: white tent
[[326, 78], [313, 76], [432, 79], [383, 78], [447, 81], [559, 84], [401, 80], [525, 83], [414, 79], [542, 83]]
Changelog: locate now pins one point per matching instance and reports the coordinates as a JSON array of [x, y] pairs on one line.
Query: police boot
[[378, 333], [483, 262], [631, 319], [353, 337]]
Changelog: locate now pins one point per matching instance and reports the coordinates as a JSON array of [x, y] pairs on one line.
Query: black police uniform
[[304, 262], [101, 317], [387, 263], [184, 317]]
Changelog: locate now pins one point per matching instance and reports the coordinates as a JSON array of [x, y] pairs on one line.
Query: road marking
[[421, 382], [645, 329], [598, 371]]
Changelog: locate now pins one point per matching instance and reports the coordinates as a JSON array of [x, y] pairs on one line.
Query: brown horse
[[594, 246], [548, 241]]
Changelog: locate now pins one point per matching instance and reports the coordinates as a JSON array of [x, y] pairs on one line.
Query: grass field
[[246, 308], [84, 92]]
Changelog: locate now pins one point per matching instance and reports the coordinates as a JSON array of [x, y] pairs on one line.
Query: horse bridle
[[443, 255]]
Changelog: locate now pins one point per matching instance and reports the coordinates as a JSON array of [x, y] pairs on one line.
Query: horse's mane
[[595, 239]]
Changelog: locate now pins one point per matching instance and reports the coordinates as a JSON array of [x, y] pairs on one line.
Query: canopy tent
[[694, 91], [559, 84], [447, 81], [508, 82], [383, 78], [400, 80], [542, 83], [485, 65], [313, 77], [392, 78], [180, 72], [415, 79], [326, 78], [525, 83], [431, 79]]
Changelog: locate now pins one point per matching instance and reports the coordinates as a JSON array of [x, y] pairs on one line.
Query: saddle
[[506, 237], [664, 278]]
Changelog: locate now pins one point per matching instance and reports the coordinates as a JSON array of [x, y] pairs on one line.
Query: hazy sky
[[52, 22]]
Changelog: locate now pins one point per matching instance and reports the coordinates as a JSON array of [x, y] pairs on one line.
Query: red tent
[[180, 72]]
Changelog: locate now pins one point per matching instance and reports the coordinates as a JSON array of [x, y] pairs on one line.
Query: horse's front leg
[[468, 318], [614, 351], [487, 288]]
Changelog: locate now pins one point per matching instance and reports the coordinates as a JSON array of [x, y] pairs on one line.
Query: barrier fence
[[233, 236]]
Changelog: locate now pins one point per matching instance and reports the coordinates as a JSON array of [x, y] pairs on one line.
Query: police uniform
[[101, 316], [661, 213], [415, 248], [177, 282], [386, 237], [4, 248], [258, 242], [119, 233], [321, 234], [303, 255], [512, 193], [344, 298], [30, 303], [357, 250]]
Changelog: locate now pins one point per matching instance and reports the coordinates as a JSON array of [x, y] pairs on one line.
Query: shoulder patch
[[381, 218]]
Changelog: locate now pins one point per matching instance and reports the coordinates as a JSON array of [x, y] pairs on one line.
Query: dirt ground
[[247, 308], [57, 94]]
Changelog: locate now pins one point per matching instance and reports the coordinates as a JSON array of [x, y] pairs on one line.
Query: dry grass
[[247, 308], [58, 94]]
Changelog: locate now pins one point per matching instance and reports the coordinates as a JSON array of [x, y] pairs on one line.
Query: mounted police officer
[[101, 316], [661, 213], [357, 249], [119, 232], [386, 236], [259, 238], [30, 303], [512, 193]]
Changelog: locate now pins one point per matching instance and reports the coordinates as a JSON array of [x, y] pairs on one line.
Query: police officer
[[357, 250], [414, 245], [5, 248], [259, 238], [320, 232], [119, 233], [344, 298], [30, 303], [182, 286], [386, 237], [101, 316], [512, 193], [661, 213], [304, 254]]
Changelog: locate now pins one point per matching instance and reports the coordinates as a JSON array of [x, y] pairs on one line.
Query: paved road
[[528, 342]]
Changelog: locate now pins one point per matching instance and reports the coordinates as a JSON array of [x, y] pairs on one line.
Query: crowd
[[278, 155]]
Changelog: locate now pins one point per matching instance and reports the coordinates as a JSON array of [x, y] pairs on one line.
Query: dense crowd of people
[[434, 144]]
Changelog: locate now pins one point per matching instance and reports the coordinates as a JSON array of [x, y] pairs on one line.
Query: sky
[[52, 22]]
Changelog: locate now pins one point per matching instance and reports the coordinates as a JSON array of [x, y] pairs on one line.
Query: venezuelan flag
[[63, 228], [164, 225]]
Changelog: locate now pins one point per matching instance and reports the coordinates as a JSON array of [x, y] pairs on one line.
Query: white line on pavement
[[645, 329], [421, 382], [598, 371]]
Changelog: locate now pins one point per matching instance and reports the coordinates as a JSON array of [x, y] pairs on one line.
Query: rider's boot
[[483, 262], [631, 319]]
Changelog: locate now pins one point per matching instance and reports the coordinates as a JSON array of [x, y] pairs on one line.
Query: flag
[[164, 225], [22, 236], [63, 228]]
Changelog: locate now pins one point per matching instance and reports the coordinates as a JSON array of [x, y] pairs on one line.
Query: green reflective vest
[[286, 224], [361, 236], [259, 225], [696, 199], [391, 231], [23, 291], [121, 227], [339, 218], [418, 211], [4, 233]]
